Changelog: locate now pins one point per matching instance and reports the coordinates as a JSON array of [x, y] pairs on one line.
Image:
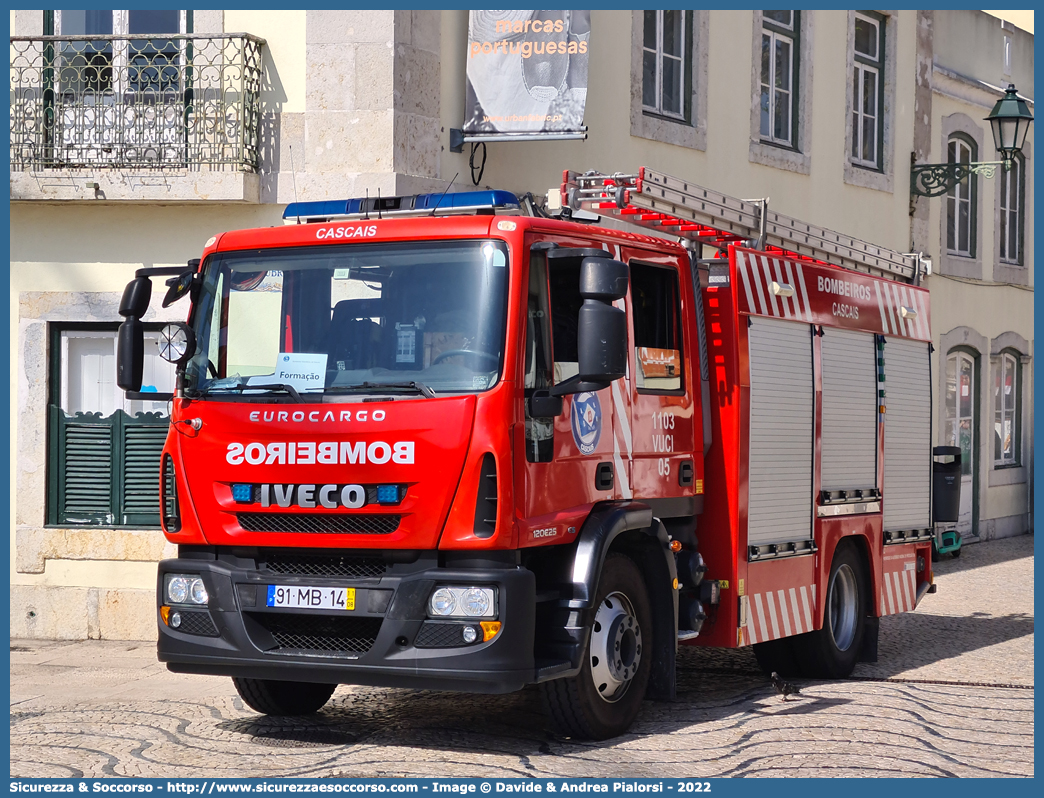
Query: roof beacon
[[503, 203]]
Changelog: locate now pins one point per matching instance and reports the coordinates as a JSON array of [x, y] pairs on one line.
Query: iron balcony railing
[[135, 101]]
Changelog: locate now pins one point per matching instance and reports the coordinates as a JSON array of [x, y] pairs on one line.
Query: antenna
[[379, 202], [366, 213], [293, 174], [443, 195]]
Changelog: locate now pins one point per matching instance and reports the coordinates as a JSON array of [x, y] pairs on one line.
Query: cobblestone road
[[952, 695]]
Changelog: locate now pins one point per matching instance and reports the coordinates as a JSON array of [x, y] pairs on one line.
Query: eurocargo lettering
[[448, 493]]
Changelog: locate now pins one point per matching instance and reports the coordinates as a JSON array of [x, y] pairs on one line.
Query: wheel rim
[[843, 606], [616, 647]]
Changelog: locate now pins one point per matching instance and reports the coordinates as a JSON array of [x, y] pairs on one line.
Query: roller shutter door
[[849, 430], [779, 477], [908, 435]]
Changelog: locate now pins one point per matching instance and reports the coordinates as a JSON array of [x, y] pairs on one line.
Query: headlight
[[443, 602], [475, 603], [463, 602], [185, 589]]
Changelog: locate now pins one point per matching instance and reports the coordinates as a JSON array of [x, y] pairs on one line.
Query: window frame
[[953, 195], [686, 89], [792, 34], [1008, 362], [679, 328], [862, 65], [1005, 213]]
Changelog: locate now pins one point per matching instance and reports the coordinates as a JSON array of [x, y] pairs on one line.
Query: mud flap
[[871, 627]]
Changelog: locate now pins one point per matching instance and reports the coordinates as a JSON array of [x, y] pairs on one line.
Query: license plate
[[312, 598]]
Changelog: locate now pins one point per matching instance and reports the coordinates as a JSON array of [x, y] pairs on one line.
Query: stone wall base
[[82, 613], [1007, 527]]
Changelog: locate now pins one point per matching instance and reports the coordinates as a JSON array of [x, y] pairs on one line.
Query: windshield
[[335, 318]]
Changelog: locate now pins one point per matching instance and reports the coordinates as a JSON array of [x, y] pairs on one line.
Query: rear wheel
[[832, 652], [271, 697], [604, 698]]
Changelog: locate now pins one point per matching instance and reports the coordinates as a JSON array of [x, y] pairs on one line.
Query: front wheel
[[604, 698], [832, 651], [271, 697]]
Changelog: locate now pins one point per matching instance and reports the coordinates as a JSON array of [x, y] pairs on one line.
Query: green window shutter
[[85, 466], [139, 485]]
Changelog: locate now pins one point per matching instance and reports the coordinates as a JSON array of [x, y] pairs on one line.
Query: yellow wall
[[283, 85]]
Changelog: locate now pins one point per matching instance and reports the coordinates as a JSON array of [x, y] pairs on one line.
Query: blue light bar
[[464, 202]]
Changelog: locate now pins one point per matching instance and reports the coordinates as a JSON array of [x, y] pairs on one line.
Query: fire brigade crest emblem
[[586, 421]]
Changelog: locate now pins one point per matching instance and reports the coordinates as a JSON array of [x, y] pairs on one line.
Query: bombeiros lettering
[[320, 453], [832, 285]]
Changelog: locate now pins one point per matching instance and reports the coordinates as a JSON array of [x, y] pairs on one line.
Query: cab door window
[[656, 315], [539, 363]]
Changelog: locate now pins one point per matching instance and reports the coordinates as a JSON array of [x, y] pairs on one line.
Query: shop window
[[1006, 406]]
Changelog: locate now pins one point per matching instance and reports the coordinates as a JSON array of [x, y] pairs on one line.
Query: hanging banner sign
[[527, 72]]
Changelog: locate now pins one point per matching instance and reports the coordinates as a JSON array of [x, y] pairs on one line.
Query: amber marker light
[[165, 615], [675, 546], [489, 630]]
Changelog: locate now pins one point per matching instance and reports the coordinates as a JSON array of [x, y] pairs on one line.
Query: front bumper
[[387, 641]]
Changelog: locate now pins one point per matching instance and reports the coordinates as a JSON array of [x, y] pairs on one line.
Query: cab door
[[566, 462], [660, 397]]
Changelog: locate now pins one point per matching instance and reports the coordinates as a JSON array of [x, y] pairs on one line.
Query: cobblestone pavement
[[952, 695]]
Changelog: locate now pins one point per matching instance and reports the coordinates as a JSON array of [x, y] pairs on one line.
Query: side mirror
[[177, 287], [602, 328], [543, 405], [130, 354], [136, 297]]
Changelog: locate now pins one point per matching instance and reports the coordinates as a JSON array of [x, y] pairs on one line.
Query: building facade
[[138, 135]]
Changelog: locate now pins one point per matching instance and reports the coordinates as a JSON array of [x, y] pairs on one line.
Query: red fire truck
[[440, 442]]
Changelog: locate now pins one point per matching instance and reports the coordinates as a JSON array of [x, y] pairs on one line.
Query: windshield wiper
[[240, 387], [417, 387]]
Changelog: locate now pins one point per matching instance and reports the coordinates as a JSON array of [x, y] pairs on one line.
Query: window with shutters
[[103, 449]]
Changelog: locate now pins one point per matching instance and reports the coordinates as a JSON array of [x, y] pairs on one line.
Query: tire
[[956, 553], [271, 697], [604, 698], [833, 651]]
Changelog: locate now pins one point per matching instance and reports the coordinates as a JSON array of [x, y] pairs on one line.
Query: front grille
[[320, 523], [196, 623], [352, 567], [326, 633], [443, 635]]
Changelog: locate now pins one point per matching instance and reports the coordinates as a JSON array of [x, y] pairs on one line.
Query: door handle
[[604, 476]]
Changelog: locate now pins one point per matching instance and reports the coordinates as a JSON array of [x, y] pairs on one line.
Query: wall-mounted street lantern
[[1010, 120]]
